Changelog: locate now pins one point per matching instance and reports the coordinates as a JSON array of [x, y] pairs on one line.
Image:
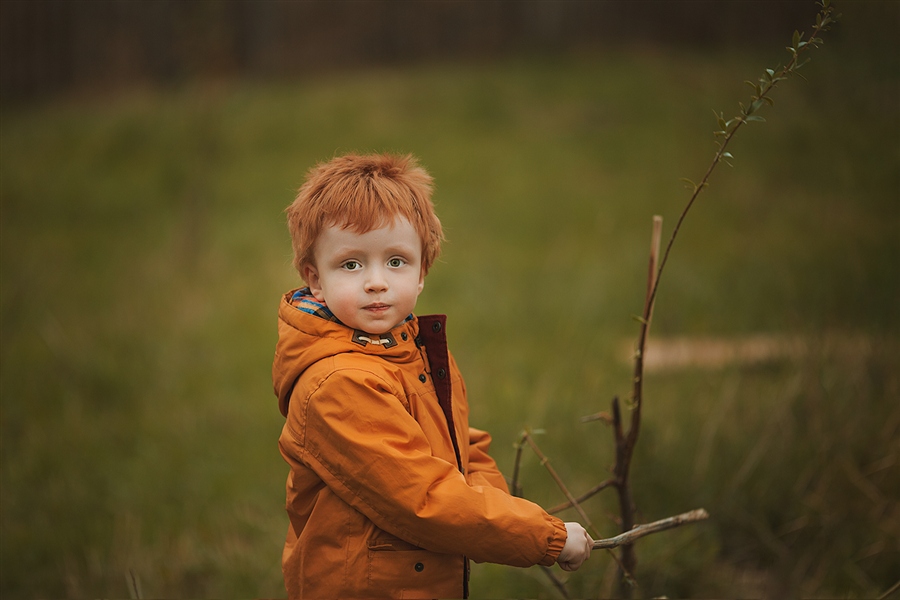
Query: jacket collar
[[305, 338]]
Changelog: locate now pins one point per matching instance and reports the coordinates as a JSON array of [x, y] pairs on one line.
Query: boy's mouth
[[377, 306]]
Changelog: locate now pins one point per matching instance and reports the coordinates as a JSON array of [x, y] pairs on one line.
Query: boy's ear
[[311, 276], [421, 281]]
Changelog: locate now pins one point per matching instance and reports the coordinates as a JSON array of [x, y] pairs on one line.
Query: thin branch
[[600, 416], [574, 502], [557, 583], [559, 482], [640, 531], [588, 494], [893, 589], [627, 577], [134, 585], [514, 487]]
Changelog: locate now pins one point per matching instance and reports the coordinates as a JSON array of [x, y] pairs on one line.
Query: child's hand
[[577, 549]]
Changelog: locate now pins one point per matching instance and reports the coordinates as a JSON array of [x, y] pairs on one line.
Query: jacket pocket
[[399, 569]]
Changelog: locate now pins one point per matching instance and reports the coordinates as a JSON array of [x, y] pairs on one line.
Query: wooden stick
[[640, 531]]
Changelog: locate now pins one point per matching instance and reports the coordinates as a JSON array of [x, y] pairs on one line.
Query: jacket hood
[[304, 339]]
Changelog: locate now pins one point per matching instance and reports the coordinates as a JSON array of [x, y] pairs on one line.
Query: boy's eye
[[351, 265], [395, 262]]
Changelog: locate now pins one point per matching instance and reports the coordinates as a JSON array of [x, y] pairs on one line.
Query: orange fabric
[[378, 505]]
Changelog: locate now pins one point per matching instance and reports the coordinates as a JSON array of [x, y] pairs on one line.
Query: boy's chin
[[377, 330], [368, 327]]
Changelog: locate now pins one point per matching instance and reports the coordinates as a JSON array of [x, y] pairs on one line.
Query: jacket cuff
[[557, 542]]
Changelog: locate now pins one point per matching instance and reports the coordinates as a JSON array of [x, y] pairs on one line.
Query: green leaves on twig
[[767, 82]]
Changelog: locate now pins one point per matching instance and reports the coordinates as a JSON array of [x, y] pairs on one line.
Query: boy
[[390, 491]]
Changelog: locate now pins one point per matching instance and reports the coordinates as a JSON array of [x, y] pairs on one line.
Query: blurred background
[[148, 149]]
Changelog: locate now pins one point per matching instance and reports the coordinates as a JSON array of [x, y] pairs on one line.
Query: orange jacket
[[390, 491]]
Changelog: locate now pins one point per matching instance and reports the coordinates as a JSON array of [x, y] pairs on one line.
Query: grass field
[[144, 253]]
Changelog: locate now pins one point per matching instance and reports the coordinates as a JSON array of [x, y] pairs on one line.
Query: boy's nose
[[376, 282]]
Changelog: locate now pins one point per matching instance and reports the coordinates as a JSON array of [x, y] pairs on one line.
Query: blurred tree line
[[49, 47]]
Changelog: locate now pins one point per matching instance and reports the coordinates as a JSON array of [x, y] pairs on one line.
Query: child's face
[[371, 280]]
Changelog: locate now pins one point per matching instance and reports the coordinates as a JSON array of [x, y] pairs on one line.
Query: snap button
[[441, 373], [436, 327], [419, 567], [422, 378], [403, 336]]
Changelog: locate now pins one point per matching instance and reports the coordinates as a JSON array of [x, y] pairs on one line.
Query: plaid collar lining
[[303, 300]]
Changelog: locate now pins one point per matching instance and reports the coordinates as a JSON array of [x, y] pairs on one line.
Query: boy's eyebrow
[[392, 247]]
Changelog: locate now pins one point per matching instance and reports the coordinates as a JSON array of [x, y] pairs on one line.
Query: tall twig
[[766, 84], [625, 442], [727, 131]]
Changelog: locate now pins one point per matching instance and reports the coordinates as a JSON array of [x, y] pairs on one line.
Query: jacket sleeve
[[482, 468], [355, 433]]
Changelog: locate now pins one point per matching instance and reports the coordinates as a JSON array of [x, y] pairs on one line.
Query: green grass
[[144, 252]]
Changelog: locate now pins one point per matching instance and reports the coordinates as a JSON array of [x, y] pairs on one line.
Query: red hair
[[363, 193]]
